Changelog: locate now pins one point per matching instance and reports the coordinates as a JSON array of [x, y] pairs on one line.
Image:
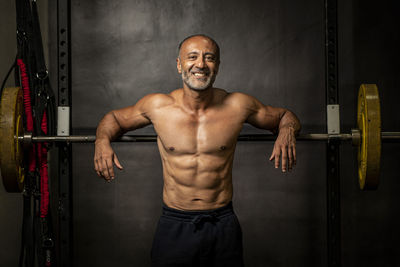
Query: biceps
[[266, 117], [130, 118]]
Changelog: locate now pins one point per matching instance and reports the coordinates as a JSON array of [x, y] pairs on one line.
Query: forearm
[[289, 119], [108, 128]]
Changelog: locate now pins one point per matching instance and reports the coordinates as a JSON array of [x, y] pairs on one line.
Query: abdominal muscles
[[197, 181]]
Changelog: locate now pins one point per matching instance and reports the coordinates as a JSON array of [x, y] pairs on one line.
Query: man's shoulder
[[238, 98], [157, 100]]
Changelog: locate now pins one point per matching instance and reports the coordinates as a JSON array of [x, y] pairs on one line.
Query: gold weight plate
[[11, 126], [369, 123]]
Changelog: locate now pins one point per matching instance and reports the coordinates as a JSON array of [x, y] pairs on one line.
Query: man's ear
[[178, 65]]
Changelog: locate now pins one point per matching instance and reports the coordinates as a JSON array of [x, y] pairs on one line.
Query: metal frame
[[333, 144], [65, 234], [65, 160]]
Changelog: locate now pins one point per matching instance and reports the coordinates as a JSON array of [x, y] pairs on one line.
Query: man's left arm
[[280, 121]]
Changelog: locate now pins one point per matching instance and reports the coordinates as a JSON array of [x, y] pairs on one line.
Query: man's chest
[[213, 131]]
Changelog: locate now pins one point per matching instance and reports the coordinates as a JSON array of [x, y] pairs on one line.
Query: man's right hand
[[104, 157]]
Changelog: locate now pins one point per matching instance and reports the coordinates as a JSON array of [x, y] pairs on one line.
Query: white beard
[[198, 84]]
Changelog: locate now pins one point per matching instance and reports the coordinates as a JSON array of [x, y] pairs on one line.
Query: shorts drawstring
[[200, 219]]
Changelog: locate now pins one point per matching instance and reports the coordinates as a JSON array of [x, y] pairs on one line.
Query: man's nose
[[200, 63]]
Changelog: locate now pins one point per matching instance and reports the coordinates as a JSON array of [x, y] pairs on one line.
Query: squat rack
[[64, 246], [333, 144], [65, 214]]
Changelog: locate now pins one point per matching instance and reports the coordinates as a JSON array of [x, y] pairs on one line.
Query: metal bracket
[[333, 119], [63, 120]]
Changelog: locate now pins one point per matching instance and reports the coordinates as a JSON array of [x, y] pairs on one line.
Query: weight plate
[[11, 126], [369, 123]]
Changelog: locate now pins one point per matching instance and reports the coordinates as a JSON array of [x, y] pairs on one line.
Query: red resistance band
[[44, 175], [28, 110], [40, 148]]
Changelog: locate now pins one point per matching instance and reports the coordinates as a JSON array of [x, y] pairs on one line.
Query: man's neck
[[197, 100]]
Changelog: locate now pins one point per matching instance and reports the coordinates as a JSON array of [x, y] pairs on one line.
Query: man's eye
[[210, 59], [192, 57]]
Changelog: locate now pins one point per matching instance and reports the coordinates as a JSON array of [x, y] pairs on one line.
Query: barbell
[[367, 138]]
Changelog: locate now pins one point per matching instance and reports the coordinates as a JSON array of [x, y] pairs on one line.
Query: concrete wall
[[124, 50]]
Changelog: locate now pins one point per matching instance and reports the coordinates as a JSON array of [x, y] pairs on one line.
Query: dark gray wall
[[273, 50], [124, 50]]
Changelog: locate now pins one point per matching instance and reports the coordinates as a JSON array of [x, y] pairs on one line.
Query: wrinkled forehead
[[198, 44]]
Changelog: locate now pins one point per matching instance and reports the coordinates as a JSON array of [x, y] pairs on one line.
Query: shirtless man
[[197, 127]]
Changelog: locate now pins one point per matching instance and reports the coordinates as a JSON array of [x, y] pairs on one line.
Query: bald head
[[199, 36]]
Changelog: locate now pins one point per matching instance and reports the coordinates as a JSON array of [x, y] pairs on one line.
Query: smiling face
[[198, 63]]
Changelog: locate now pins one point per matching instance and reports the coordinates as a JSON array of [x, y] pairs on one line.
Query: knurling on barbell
[[367, 138]]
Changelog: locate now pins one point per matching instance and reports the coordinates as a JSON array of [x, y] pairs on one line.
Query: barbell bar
[[368, 138], [354, 136]]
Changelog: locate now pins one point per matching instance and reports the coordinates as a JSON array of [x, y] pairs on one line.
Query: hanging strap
[[44, 105], [41, 70], [39, 105]]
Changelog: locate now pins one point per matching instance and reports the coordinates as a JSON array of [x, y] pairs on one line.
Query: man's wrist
[[102, 140], [289, 126]]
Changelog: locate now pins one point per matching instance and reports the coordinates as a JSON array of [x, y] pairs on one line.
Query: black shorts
[[211, 238]]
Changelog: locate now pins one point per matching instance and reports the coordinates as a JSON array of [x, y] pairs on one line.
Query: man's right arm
[[116, 123]]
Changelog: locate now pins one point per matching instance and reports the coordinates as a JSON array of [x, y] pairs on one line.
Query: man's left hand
[[285, 145]]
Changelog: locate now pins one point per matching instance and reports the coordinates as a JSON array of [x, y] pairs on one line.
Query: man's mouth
[[199, 74]]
